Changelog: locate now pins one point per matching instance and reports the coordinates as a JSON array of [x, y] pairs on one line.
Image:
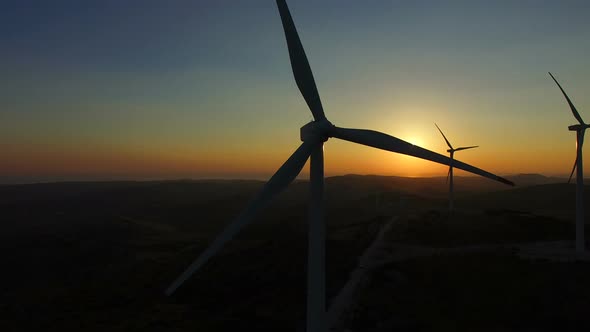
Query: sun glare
[[415, 140]]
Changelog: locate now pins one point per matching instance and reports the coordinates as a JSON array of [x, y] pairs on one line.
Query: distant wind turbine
[[451, 152], [580, 129], [313, 135]]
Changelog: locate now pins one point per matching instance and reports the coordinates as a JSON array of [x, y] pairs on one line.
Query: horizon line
[[97, 179]]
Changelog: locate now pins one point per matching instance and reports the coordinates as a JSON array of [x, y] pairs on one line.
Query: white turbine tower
[[580, 129], [313, 135], [451, 152]]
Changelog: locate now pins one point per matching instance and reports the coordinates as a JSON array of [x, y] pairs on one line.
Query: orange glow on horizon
[[259, 160]]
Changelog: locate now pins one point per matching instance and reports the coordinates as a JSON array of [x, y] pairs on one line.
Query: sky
[[101, 90]]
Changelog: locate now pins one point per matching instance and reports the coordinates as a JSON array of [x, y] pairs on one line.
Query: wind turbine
[[580, 129], [313, 135], [451, 152]]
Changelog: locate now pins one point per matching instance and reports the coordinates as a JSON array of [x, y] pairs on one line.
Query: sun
[[416, 140]]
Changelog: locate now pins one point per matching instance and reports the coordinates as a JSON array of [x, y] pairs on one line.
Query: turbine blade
[[299, 64], [573, 169], [443, 135], [279, 181], [466, 147], [386, 142], [574, 111]]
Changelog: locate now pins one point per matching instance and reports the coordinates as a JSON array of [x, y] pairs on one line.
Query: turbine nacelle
[[578, 127], [316, 131]]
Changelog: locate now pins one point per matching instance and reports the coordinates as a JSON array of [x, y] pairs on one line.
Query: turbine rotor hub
[[316, 131]]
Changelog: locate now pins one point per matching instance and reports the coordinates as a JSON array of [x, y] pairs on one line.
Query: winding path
[[343, 302]]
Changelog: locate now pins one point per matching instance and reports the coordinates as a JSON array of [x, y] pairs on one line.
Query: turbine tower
[[580, 129], [451, 152], [313, 135]]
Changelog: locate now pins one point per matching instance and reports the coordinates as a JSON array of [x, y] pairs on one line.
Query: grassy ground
[[437, 228], [485, 291], [97, 256], [476, 292]]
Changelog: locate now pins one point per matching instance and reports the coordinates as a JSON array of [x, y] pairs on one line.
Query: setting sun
[[416, 140]]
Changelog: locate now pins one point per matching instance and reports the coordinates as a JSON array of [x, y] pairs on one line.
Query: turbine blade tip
[[508, 182], [169, 291]]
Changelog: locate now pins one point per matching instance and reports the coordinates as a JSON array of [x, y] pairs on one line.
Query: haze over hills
[[182, 198], [474, 181]]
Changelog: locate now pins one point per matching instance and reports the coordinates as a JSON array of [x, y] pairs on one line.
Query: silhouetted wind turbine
[[313, 135], [580, 129], [451, 152]]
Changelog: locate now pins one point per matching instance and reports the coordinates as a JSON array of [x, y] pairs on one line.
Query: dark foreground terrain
[[97, 257], [475, 292]]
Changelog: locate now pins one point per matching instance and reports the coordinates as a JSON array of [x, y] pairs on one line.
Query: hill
[[97, 255]]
